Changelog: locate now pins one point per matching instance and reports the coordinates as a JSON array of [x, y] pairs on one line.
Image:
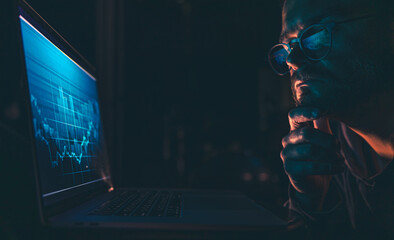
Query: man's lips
[[300, 83]]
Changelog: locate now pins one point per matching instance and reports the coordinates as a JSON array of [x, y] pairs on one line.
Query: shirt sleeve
[[360, 200], [328, 222]]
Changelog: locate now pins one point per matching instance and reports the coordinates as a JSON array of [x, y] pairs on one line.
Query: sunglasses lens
[[277, 58], [316, 42]]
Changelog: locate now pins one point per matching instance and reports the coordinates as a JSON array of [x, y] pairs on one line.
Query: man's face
[[349, 75]]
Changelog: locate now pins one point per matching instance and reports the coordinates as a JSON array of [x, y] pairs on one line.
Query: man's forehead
[[298, 14]]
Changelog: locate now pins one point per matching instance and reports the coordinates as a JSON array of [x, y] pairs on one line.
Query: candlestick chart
[[65, 115], [68, 135], [66, 129]]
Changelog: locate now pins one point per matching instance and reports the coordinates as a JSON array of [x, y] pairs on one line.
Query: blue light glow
[[65, 111]]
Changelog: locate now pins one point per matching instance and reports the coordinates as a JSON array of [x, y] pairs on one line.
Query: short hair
[[384, 8]]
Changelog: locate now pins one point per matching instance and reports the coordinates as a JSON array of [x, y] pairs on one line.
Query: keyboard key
[[146, 203]]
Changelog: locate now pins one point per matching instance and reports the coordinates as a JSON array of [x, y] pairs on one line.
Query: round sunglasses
[[314, 42]]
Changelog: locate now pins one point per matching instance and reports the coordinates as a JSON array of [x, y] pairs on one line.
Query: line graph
[[66, 136], [45, 132], [65, 115]]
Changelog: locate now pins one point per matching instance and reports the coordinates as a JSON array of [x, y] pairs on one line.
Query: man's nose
[[296, 58]]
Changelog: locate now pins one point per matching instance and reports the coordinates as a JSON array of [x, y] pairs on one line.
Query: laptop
[[73, 177]]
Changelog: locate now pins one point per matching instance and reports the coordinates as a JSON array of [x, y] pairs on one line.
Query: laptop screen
[[65, 115]]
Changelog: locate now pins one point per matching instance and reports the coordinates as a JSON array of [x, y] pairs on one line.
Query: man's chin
[[309, 100], [305, 97], [331, 108], [305, 101]]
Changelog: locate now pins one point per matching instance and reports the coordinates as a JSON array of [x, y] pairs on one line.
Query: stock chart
[[65, 114]]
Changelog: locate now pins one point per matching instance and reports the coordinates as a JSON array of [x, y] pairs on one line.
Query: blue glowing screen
[[65, 112]]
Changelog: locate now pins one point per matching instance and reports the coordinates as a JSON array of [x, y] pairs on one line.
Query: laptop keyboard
[[142, 203]]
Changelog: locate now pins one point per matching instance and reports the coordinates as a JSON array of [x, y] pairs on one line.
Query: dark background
[[188, 97]]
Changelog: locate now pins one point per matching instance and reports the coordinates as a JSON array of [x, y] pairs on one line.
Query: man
[[338, 154]]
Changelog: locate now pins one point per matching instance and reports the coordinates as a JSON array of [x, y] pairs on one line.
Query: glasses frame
[[290, 46]]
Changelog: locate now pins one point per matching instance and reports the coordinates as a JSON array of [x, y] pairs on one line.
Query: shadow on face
[[354, 69]]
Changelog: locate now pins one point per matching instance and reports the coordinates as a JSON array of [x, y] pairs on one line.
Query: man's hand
[[310, 155]]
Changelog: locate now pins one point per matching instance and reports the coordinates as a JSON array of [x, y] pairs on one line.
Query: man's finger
[[306, 168], [300, 117], [308, 152], [310, 135]]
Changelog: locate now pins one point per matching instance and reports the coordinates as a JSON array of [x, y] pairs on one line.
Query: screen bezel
[[80, 194]]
